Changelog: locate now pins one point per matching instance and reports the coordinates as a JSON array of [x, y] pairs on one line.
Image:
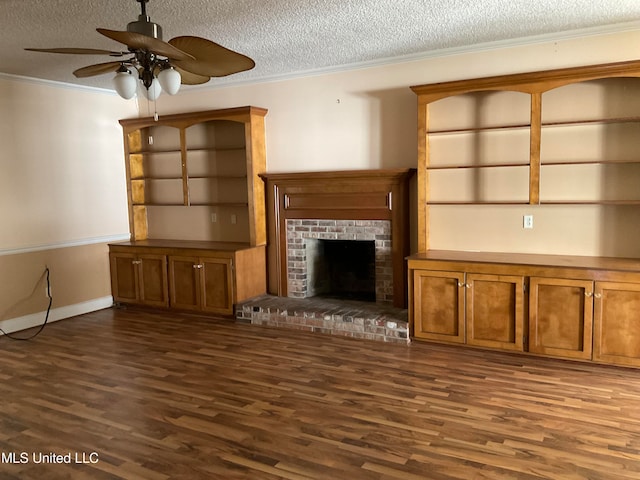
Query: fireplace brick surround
[[299, 230], [341, 205]]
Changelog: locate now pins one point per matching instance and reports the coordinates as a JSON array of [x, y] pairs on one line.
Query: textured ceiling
[[287, 37]]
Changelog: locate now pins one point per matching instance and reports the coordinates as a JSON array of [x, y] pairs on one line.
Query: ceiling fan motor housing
[[145, 26]]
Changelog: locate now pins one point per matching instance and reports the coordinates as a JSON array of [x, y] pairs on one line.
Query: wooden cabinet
[[139, 278], [495, 311], [583, 308], [438, 305], [196, 276], [561, 317], [617, 323], [481, 310], [563, 145], [196, 211], [201, 283]]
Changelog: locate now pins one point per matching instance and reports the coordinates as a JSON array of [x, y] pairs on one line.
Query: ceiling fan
[[159, 65]]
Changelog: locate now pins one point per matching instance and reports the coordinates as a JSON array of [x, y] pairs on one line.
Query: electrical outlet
[[527, 221], [234, 219], [214, 218]]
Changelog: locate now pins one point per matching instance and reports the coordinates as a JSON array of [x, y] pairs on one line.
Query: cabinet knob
[[136, 262], [468, 285], [198, 265], [597, 295], [460, 284], [588, 294]]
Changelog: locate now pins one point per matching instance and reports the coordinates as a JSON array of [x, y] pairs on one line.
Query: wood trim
[[423, 178], [238, 114], [184, 167], [530, 82], [535, 137], [255, 143]]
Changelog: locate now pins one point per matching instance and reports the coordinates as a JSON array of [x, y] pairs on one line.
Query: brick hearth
[[366, 320]]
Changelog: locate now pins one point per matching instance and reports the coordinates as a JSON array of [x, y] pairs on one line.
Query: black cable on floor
[[46, 318]]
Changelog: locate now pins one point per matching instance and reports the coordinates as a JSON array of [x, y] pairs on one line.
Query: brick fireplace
[[305, 210], [362, 205]]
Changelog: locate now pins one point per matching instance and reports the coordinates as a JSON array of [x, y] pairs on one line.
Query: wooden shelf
[[217, 177], [184, 144], [589, 202], [486, 165], [188, 149], [194, 204], [542, 164], [495, 128], [589, 162], [595, 121], [505, 155], [505, 202], [193, 177]]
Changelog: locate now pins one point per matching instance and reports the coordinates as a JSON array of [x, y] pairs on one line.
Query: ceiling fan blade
[[97, 69], [78, 51], [137, 41], [188, 78], [210, 59]]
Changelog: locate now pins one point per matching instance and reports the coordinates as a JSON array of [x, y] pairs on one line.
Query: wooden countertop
[[190, 244], [534, 260]]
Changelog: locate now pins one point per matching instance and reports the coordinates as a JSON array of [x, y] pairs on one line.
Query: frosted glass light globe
[[170, 80]]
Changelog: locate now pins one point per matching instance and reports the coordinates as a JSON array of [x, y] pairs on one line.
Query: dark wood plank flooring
[[161, 396]]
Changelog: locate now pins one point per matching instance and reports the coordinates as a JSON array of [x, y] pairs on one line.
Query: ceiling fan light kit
[[125, 83], [184, 60]]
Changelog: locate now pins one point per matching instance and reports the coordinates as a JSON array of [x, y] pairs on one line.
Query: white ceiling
[[290, 37]]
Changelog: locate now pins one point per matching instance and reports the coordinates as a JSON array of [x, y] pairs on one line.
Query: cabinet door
[[124, 275], [217, 285], [184, 282], [152, 280], [438, 305], [561, 317], [495, 311], [617, 323]]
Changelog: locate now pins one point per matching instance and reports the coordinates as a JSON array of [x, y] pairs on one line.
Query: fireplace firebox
[[341, 269]]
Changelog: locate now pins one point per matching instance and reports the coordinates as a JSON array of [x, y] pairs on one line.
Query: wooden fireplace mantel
[[338, 195]]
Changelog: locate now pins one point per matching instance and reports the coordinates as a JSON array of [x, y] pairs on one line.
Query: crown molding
[[443, 52], [57, 84]]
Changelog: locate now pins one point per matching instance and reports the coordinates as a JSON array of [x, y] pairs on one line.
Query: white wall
[[62, 168], [374, 123], [62, 197]]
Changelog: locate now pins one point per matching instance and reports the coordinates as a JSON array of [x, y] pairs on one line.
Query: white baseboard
[[36, 319]]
